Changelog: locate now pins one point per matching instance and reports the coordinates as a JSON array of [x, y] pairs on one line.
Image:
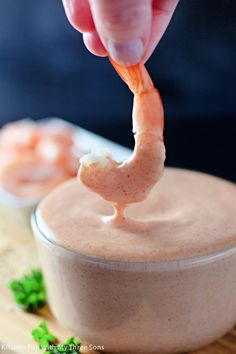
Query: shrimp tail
[[136, 77], [148, 114]]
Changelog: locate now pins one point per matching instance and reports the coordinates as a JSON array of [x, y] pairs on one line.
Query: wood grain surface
[[18, 255]]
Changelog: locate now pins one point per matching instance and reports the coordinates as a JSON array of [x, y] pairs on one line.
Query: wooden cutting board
[[17, 256]]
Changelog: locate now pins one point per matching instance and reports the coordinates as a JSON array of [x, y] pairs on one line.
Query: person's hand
[[127, 30]]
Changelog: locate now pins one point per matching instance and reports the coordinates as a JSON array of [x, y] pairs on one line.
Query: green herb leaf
[[49, 342], [29, 291], [43, 337]]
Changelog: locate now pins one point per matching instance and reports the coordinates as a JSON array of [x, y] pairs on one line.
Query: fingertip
[[123, 27], [79, 14], [126, 54], [94, 44]]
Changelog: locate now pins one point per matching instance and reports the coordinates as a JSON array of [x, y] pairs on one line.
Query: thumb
[[124, 27]]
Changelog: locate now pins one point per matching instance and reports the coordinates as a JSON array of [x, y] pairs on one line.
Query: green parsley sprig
[[47, 341], [29, 291], [43, 337]]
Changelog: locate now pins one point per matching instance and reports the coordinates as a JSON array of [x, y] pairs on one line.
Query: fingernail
[[126, 54]]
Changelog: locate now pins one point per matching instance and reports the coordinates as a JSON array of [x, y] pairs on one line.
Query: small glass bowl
[[140, 307]]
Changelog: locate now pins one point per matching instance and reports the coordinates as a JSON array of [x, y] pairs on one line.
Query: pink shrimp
[[57, 146], [21, 134], [131, 180], [34, 158], [27, 178]]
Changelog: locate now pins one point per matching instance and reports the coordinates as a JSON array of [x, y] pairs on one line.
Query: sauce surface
[[186, 214]]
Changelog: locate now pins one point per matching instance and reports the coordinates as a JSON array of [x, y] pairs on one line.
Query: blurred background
[[45, 70]]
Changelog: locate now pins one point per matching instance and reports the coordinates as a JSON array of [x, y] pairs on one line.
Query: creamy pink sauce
[[186, 214]]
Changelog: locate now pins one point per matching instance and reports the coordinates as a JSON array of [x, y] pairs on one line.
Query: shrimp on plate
[[131, 180], [35, 158]]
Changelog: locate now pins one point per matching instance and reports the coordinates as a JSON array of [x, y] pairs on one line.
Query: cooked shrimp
[[131, 180], [59, 134], [20, 135], [26, 177], [35, 157]]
